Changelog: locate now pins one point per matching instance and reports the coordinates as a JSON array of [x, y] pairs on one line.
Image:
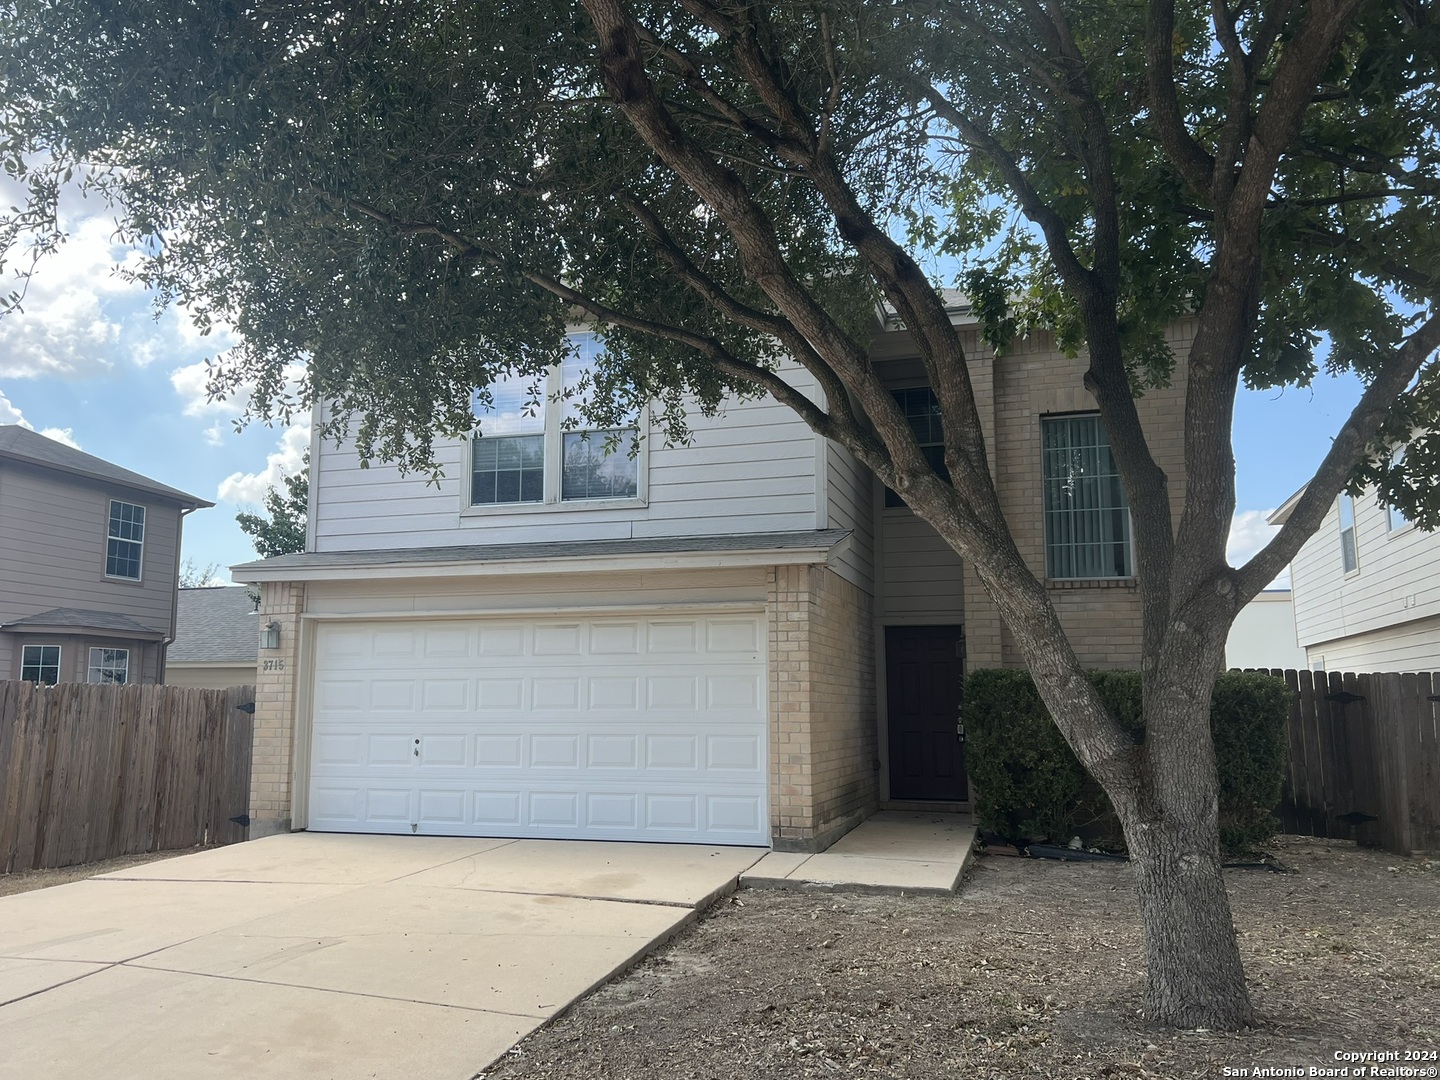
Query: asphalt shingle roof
[[215, 625], [22, 444], [316, 560], [65, 618]]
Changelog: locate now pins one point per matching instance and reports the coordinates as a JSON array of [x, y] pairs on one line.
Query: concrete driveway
[[338, 956]]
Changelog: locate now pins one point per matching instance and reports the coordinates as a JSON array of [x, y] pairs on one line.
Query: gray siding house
[[89, 561]]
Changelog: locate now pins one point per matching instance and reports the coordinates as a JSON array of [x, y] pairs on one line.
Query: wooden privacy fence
[[91, 772], [1364, 758]]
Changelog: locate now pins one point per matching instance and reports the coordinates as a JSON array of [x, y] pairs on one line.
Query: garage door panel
[[647, 728], [615, 639], [445, 695]]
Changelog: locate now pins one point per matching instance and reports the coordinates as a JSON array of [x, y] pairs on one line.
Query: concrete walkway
[[894, 851], [314, 955]]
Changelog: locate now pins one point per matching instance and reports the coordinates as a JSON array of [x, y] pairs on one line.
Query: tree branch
[[723, 360], [1190, 159], [1345, 453]]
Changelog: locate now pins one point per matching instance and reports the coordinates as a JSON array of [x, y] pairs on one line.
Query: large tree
[[414, 197]]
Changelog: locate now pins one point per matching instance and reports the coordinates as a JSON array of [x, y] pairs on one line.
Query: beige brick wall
[[276, 694], [823, 732], [1029, 383]]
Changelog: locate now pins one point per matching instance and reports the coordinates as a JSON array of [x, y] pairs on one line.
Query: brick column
[[276, 682], [822, 707]]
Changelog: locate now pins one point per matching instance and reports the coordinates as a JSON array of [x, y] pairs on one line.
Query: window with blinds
[[1087, 518]]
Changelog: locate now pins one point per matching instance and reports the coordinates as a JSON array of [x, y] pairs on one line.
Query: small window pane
[[1349, 555], [1395, 518], [40, 663], [125, 541], [1087, 518], [516, 406], [109, 667], [509, 469], [922, 413], [593, 473]]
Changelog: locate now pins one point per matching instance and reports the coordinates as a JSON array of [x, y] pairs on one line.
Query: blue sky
[[87, 361]]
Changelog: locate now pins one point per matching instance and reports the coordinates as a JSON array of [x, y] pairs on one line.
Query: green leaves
[[283, 531]]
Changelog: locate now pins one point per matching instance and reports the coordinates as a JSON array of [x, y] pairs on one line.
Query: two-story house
[[741, 640], [89, 559], [1367, 589]]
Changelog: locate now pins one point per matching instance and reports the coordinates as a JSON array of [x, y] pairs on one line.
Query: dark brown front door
[[924, 667]]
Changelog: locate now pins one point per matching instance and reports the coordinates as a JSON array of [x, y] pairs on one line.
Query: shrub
[[1248, 713], [1027, 781], [1029, 784]]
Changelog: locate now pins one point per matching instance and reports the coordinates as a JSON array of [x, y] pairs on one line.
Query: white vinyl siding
[[1397, 582], [752, 469], [1411, 646], [850, 505]]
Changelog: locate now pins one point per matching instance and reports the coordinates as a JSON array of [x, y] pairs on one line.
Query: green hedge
[[1029, 784]]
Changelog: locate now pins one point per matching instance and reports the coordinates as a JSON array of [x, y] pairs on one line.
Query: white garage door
[[620, 728]]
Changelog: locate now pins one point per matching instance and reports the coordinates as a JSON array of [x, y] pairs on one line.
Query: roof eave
[[258, 573], [1281, 514]]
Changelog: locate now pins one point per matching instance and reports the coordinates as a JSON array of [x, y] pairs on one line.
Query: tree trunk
[[1194, 976]]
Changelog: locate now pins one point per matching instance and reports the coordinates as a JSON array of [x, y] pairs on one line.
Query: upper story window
[[109, 666], [125, 541], [922, 413], [1349, 553], [534, 446], [40, 663], [1087, 518], [1395, 519]]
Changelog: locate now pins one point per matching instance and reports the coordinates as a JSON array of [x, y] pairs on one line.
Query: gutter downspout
[[175, 598]]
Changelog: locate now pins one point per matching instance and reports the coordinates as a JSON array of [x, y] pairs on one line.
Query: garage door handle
[[417, 747]]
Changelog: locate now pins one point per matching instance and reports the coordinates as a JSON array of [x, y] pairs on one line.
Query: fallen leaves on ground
[[1034, 970]]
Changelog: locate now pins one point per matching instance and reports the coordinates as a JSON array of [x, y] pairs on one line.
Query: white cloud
[[1249, 532], [61, 435], [65, 327], [285, 461], [190, 382], [9, 414]]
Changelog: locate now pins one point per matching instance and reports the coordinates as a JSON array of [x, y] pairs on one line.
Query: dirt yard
[[1034, 970], [29, 880]]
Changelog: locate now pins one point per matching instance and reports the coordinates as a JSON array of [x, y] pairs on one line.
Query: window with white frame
[[125, 541], [40, 664], [922, 413], [109, 667], [533, 444], [1395, 518], [1349, 553], [1087, 517]]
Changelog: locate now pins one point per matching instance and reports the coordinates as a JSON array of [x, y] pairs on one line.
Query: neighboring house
[[89, 559], [217, 638], [1263, 634], [1367, 589], [740, 640]]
